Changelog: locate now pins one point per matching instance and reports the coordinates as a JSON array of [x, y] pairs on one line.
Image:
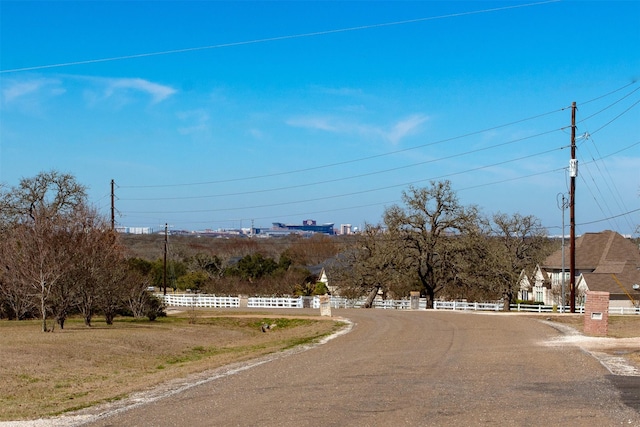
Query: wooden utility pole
[[113, 206], [573, 173], [164, 260]]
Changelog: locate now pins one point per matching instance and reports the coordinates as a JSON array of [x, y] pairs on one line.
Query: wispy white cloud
[[393, 133], [20, 89], [17, 90], [157, 91], [196, 121], [122, 91], [28, 93], [406, 127], [317, 123]]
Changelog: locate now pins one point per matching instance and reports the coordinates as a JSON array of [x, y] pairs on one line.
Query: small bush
[[155, 308]]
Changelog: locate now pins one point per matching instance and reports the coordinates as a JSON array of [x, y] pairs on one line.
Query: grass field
[[45, 374], [619, 326]]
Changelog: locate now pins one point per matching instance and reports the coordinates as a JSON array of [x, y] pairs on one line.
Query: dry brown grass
[[619, 327], [46, 374]]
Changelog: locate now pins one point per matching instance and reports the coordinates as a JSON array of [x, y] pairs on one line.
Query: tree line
[[435, 245], [59, 256], [431, 243], [251, 274]]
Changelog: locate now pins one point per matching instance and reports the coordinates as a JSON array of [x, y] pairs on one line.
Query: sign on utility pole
[[573, 173]]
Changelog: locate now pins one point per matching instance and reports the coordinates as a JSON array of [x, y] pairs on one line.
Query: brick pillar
[[325, 305], [596, 314]]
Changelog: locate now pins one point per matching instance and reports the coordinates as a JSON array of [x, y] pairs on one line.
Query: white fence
[[213, 301], [624, 310], [530, 308], [471, 306], [402, 304], [199, 300], [266, 302]]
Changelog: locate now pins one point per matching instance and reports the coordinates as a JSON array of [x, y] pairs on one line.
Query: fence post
[[414, 297], [244, 301], [325, 305]]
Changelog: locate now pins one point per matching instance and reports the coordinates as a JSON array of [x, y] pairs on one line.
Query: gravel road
[[415, 368]]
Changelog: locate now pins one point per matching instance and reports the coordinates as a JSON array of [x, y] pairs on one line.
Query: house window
[[525, 296], [539, 294]]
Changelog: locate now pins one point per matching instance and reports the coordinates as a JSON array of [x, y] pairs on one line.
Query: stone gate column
[[596, 314]]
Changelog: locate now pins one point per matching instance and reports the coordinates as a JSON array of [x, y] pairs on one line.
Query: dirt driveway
[[422, 368]]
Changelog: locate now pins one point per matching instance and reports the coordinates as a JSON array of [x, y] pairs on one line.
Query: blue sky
[[214, 114]]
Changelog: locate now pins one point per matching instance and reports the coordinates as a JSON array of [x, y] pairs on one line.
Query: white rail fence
[[624, 310], [213, 301], [273, 302], [199, 300], [530, 308]]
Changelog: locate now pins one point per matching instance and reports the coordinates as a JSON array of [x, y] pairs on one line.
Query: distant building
[[345, 229], [308, 226], [134, 230]]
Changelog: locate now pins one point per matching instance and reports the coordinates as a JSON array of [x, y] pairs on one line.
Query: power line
[[610, 183], [359, 191], [609, 93], [345, 162], [393, 201], [594, 160], [611, 105], [306, 170], [348, 177], [617, 117], [611, 217], [274, 39]]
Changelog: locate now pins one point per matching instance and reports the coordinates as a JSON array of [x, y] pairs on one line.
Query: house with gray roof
[[605, 261]]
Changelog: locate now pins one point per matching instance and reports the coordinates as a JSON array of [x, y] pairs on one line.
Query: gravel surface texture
[[411, 368]]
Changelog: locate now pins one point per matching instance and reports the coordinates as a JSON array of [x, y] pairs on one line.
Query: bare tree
[[135, 295], [38, 258], [111, 289], [520, 243], [14, 294], [45, 196], [99, 266], [35, 233], [368, 267], [312, 250], [63, 298], [431, 215], [460, 264]]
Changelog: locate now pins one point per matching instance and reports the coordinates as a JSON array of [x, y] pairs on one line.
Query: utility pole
[[113, 206], [164, 260], [563, 206], [573, 173]]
